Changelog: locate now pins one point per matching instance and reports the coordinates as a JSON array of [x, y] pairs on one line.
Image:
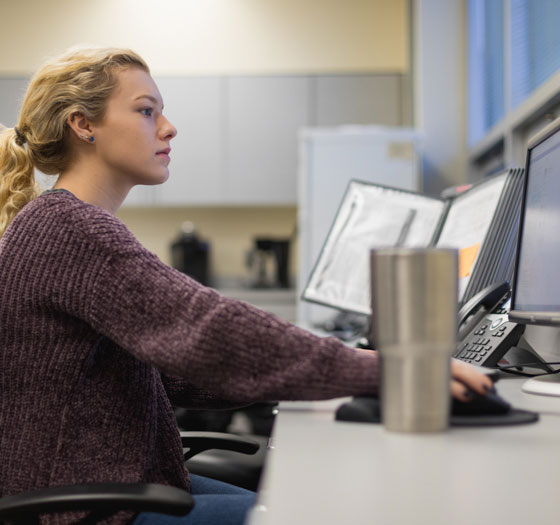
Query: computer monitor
[[536, 283]]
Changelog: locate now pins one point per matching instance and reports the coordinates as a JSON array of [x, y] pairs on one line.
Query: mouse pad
[[368, 410]]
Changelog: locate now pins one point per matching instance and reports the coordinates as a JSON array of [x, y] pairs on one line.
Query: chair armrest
[[101, 497], [197, 442]]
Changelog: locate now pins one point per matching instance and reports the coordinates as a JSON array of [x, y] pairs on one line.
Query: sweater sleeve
[[183, 394], [217, 344]]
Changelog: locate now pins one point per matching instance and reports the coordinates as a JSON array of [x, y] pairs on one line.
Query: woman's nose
[[168, 130]]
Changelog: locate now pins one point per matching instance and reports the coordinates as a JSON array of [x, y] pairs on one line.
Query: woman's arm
[[182, 394], [216, 344]]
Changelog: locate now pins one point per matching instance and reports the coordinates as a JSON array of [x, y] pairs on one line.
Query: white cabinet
[[12, 91], [237, 140], [264, 115], [195, 106], [141, 196], [359, 99]]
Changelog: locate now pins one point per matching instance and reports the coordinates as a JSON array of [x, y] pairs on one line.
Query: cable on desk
[[516, 369]]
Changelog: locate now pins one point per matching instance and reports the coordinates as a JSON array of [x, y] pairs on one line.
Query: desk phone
[[485, 333]]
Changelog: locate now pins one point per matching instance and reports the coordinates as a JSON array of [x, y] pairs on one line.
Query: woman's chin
[[155, 179]]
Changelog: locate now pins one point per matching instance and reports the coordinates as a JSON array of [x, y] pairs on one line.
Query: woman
[[99, 338]]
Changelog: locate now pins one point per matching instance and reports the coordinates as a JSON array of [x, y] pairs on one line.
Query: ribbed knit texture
[[98, 338]]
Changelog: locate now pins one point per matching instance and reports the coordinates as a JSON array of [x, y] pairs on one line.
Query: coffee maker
[[190, 255], [268, 261]]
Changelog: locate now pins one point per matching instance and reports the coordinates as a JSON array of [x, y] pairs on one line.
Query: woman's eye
[[147, 112]]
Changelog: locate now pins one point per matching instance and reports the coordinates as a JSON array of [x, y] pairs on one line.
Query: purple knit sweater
[[98, 338]]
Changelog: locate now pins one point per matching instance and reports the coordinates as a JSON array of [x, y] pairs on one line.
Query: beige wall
[[193, 37], [230, 231], [213, 36]]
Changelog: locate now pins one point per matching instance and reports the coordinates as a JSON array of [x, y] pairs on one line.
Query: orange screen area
[[467, 257]]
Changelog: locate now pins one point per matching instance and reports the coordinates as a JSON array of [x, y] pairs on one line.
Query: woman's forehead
[[135, 84]]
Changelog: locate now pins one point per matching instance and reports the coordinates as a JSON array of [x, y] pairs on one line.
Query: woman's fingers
[[465, 378], [459, 391]]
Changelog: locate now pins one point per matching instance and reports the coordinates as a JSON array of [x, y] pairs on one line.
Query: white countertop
[[321, 471]]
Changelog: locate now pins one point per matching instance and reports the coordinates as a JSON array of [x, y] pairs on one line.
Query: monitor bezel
[[548, 318]]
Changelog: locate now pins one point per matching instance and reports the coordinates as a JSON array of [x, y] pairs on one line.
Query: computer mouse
[[480, 405], [361, 409], [366, 409]]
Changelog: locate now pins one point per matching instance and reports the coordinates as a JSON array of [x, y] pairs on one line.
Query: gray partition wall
[[237, 141], [12, 91], [264, 115], [359, 99], [196, 107]]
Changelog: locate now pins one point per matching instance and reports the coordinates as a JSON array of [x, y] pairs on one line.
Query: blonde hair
[[80, 81]]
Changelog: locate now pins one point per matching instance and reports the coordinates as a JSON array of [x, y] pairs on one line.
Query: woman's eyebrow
[[150, 97]]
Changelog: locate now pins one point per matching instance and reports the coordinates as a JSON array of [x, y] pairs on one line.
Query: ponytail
[[17, 177]]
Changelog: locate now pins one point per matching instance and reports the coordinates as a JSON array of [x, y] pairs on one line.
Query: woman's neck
[[93, 187]]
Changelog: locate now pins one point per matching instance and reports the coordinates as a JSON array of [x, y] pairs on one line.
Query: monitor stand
[[524, 356], [546, 338], [548, 385]]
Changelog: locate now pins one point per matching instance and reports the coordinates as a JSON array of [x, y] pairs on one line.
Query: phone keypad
[[487, 343], [478, 347]]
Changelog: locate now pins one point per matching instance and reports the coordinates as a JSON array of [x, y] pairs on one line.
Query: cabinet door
[[140, 196], [195, 107], [12, 91], [264, 115], [358, 99]]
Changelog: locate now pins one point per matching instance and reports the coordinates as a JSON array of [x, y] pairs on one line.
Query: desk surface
[[322, 471]]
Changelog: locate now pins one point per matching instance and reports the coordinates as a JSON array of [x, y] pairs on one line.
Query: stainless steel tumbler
[[414, 326]]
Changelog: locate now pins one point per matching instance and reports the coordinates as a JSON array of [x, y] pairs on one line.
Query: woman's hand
[[465, 378]]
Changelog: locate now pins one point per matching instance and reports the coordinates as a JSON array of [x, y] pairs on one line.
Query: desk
[[325, 472]]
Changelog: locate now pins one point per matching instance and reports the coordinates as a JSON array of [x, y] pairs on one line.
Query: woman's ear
[[81, 127]]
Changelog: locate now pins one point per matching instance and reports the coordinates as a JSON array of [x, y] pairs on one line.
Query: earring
[[85, 137]]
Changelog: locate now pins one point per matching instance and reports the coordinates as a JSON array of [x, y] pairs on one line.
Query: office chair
[[223, 464], [105, 499]]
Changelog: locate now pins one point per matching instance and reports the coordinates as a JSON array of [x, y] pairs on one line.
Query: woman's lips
[[164, 154]]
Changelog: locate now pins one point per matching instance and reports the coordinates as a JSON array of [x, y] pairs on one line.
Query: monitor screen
[[536, 284], [374, 216]]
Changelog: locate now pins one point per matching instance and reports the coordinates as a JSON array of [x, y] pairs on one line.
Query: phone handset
[[474, 310]]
